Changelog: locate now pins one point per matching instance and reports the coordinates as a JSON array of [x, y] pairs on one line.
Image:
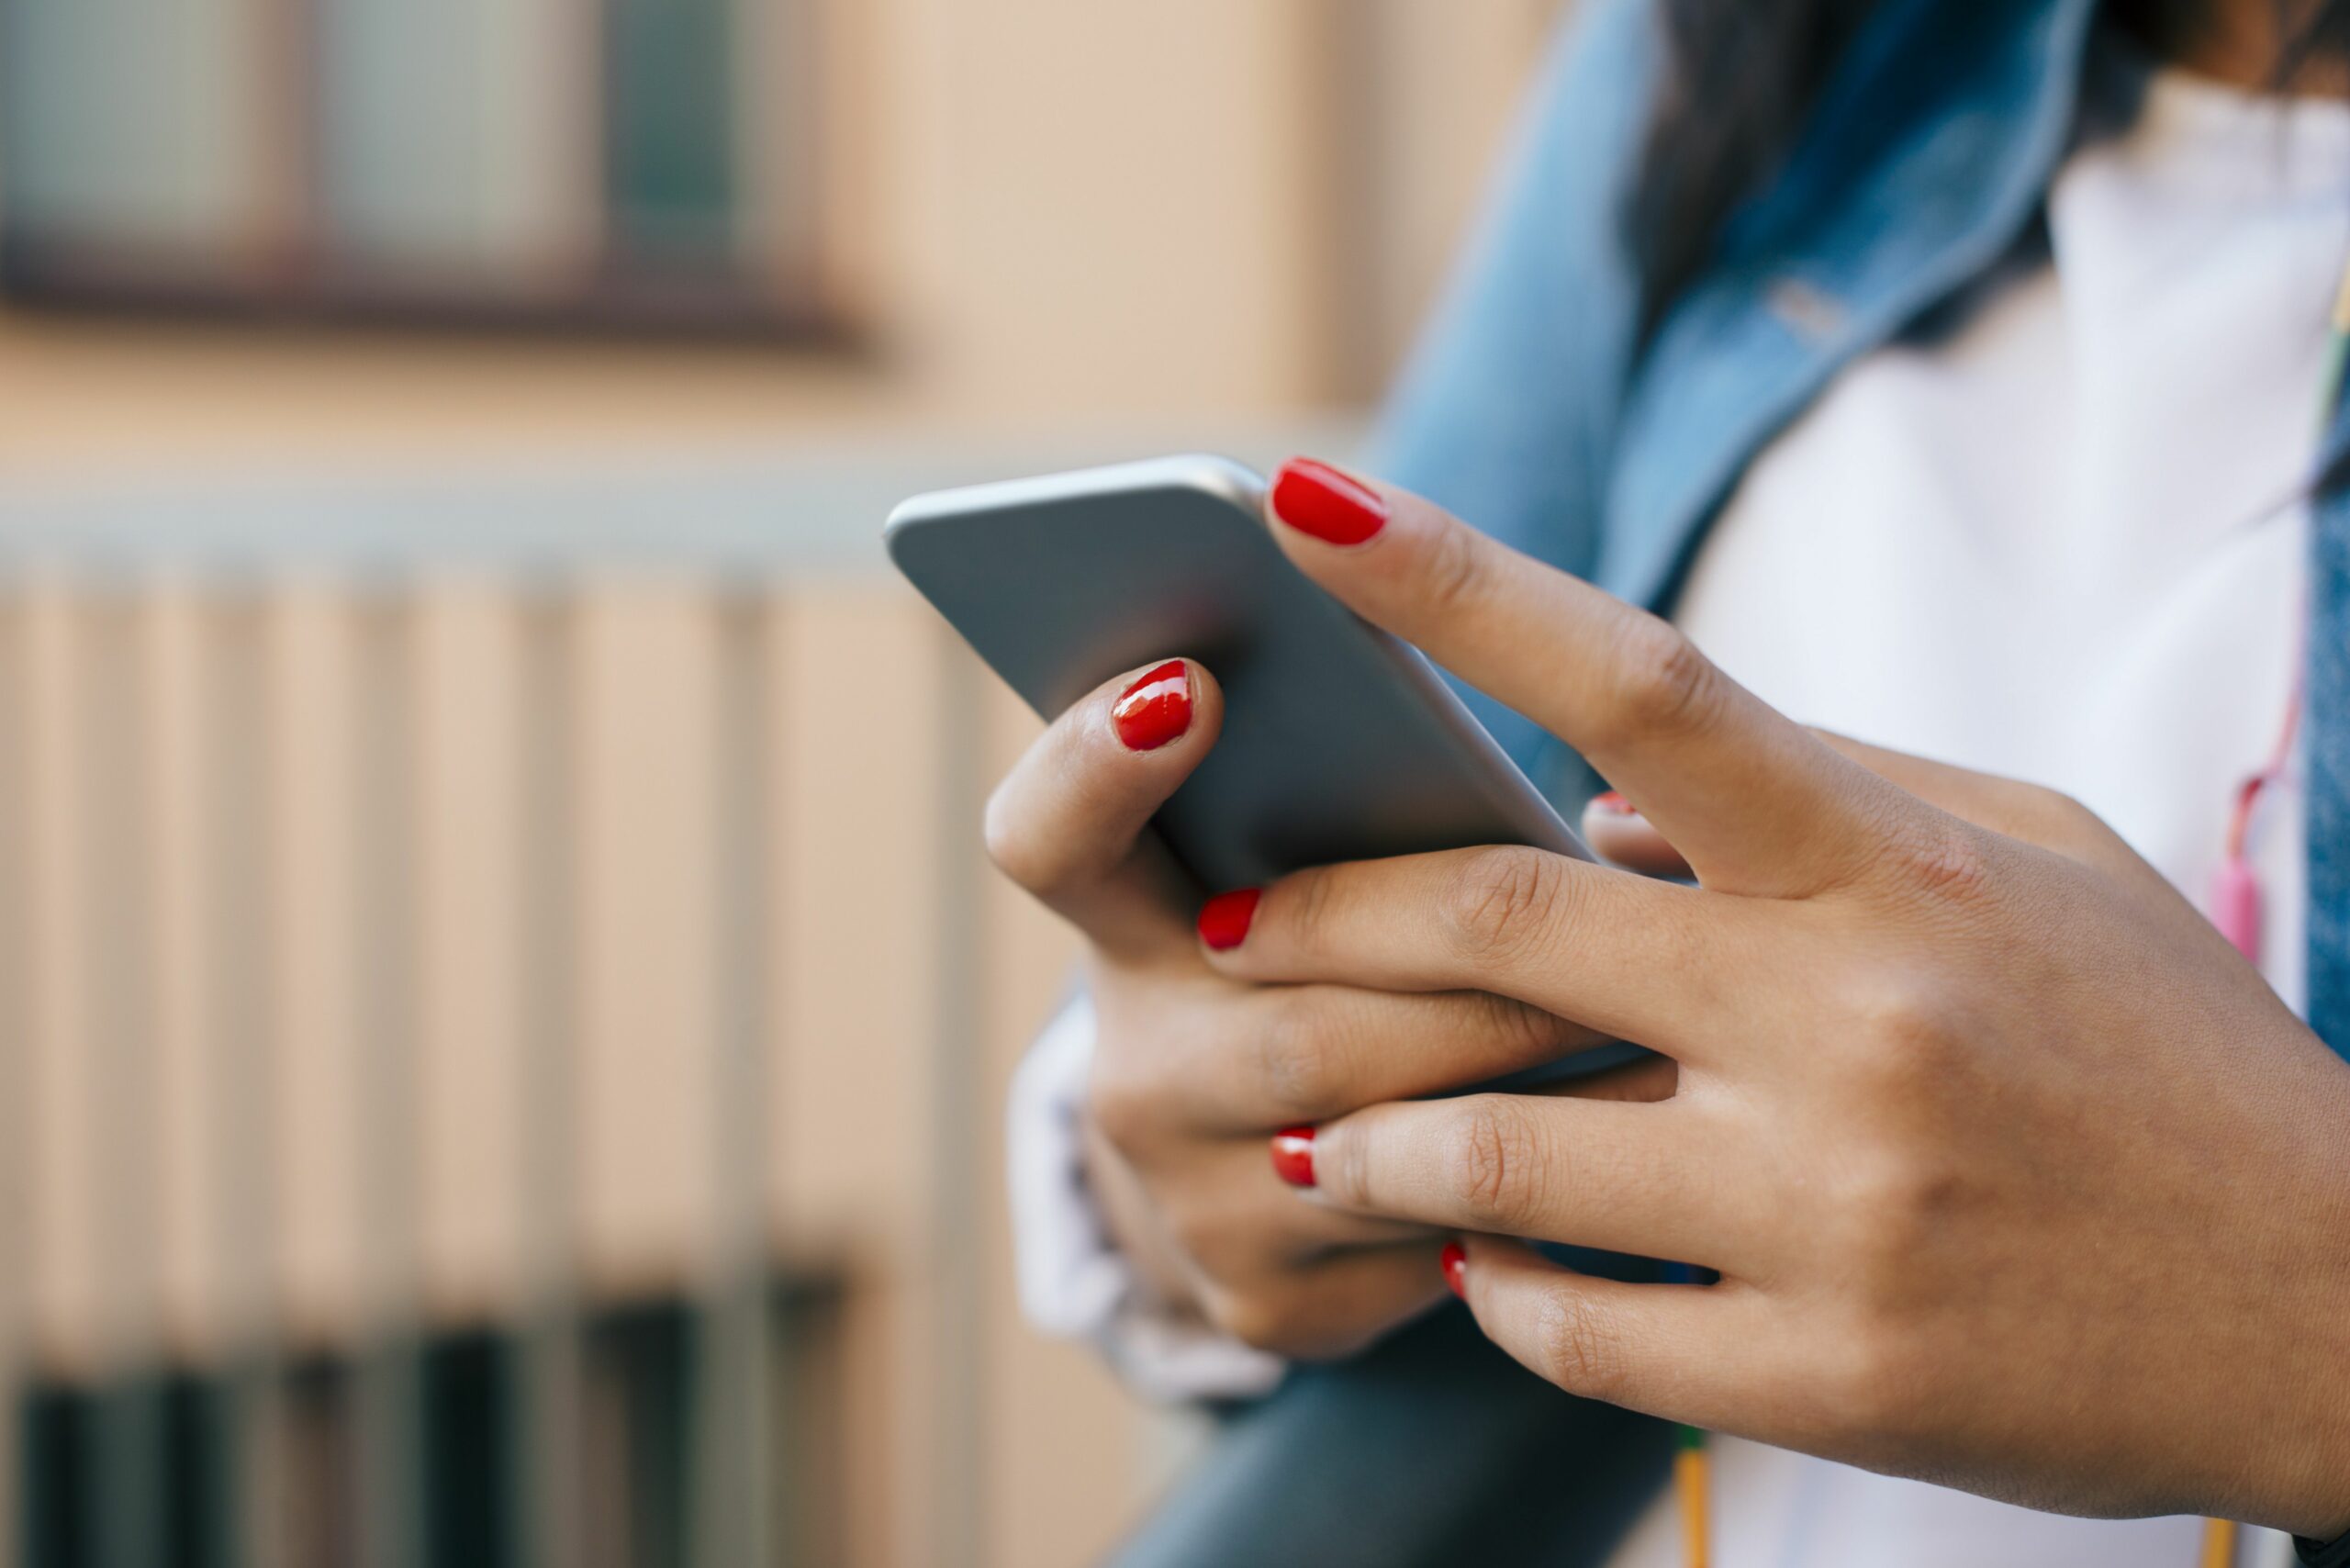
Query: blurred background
[[503, 1020]]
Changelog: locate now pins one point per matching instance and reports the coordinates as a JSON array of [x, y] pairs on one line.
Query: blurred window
[[469, 1442], [558, 162], [638, 1426], [133, 1473], [313, 1456], [808, 1376], [56, 1428], [169, 1469]]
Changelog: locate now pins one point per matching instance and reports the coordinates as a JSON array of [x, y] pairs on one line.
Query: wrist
[[2313, 1499]]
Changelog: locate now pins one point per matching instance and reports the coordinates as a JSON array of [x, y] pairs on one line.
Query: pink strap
[[2236, 905]]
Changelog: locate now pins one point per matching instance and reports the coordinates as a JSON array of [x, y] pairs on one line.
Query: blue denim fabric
[[2325, 748], [1533, 411]]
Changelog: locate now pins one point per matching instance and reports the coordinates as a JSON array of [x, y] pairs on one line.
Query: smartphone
[[1340, 741]]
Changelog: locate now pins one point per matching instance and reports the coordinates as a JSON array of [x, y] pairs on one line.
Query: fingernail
[[1293, 1156], [1335, 508], [1455, 1261], [1224, 919], [1613, 804], [1156, 708]]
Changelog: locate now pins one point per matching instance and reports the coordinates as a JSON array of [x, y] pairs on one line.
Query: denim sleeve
[[1505, 413]]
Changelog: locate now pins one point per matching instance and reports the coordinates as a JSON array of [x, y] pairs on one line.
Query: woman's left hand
[[2017, 1177]]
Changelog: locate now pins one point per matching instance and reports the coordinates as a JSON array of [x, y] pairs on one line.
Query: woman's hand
[[2016, 1176], [1192, 1070]]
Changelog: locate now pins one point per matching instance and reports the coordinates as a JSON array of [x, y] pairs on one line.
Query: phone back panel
[[1339, 742]]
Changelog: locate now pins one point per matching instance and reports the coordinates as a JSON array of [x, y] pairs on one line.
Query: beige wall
[[1050, 210], [1059, 217]]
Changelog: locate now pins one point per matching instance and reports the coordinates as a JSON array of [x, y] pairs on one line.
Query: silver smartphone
[[1339, 742]]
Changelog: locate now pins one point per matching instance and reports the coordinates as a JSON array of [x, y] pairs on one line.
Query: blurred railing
[[501, 1028]]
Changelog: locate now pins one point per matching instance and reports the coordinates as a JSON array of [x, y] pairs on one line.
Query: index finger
[[1755, 802]]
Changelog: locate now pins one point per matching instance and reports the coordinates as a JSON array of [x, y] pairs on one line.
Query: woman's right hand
[[1192, 1071]]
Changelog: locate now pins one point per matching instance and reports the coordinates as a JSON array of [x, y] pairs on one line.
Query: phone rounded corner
[[904, 518]]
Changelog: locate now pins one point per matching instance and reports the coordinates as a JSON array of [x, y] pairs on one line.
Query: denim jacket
[[1534, 410]]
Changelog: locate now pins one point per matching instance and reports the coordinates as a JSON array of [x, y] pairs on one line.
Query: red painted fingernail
[[1455, 1259], [1613, 804], [1224, 919], [1336, 508], [1293, 1156], [1156, 708]]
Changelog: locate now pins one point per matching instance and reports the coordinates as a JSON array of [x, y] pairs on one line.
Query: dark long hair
[[1742, 75]]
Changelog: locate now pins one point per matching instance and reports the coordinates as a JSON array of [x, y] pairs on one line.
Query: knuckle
[[1908, 1037], [1304, 906], [1121, 1105], [1267, 1320], [1500, 901], [1351, 1162], [1879, 1373], [1663, 685], [1246, 1318], [1453, 575], [1210, 1243], [1523, 1031], [1859, 1382], [1027, 858], [2059, 810], [1896, 1206], [1945, 860], [1893, 1202], [1302, 1056], [1577, 1345], [2067, 825], [1494, 1164]]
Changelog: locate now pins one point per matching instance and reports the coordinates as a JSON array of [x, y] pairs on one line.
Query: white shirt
[[2060, 543], [2059, 546]]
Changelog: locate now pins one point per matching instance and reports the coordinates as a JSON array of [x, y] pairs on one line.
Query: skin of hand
[[1194, 1068], [2015, 1175]]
